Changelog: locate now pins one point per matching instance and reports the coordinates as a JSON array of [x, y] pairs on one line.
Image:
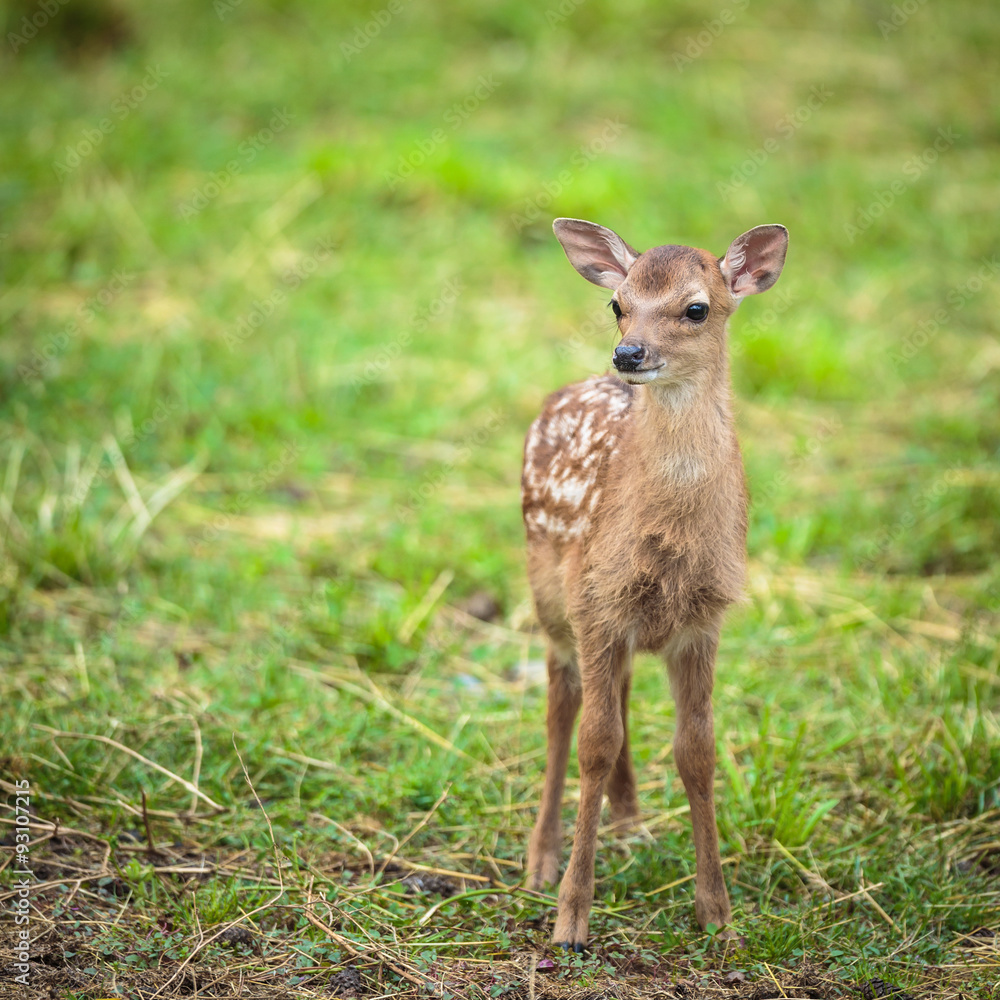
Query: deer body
[[635, 510]]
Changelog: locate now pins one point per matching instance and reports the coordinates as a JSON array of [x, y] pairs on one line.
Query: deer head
[[672, 302]]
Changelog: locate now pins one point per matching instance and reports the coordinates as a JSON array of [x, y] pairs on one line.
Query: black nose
[[628, 357]]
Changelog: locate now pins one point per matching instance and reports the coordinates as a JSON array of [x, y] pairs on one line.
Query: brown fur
[[636, 516]]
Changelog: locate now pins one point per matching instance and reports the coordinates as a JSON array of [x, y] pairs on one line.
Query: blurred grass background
[[279, 300]]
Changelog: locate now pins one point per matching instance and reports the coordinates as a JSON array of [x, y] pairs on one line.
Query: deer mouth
[[641, 375]]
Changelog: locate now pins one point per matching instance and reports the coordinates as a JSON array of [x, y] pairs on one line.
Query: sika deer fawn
[[636, 514]]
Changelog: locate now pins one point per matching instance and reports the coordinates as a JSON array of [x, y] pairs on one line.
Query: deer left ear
[[754, 260]]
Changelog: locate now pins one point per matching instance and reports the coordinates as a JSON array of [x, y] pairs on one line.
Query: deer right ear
[[599, 254]]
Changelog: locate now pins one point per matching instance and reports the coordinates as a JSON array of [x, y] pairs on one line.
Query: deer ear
[[599, 254], [754, 260]]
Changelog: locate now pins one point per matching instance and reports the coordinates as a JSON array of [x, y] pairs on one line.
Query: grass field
[[279, 300]]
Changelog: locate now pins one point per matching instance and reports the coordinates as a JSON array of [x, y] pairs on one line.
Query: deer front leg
[[691, 662], [598, 747], [622, 797], [563, 703]]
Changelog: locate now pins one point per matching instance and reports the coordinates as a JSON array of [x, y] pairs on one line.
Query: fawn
[[635, 508]]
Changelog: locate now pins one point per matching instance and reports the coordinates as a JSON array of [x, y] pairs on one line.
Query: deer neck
[[683, 433]]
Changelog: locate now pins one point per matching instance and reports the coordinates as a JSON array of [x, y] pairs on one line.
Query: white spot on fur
[[557, 527], [561, 491], [569, 490]]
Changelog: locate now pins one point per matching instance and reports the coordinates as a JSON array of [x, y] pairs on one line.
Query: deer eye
[[697, 311], [616, 309]]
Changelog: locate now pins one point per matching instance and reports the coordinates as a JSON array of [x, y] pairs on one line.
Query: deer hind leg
[[599, 745], [691, 663], [565, 694], [622, 795]]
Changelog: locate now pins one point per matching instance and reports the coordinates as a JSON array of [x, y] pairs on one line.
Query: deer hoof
[[570, 930]]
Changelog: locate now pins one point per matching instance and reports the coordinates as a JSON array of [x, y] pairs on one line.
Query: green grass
[[268, 353]]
